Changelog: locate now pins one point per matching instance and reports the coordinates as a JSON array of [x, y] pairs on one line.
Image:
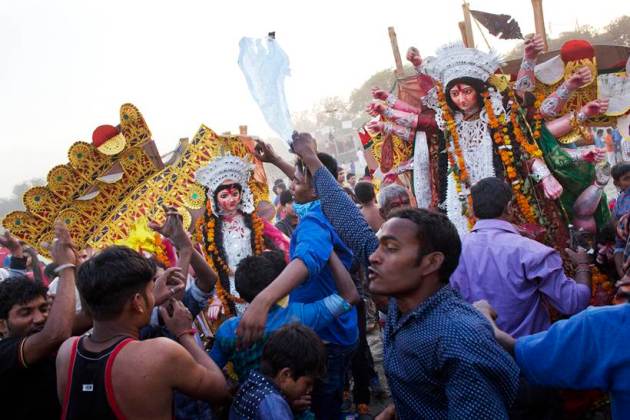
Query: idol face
[[465, 97], [229, 197]]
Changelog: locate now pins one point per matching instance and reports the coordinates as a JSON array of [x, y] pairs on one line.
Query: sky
[[66, 66]]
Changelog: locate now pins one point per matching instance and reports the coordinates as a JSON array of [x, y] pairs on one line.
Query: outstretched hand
[[167, 285], [264, 152], [596, 107], [534, 46], [375, 108], [413, 56], [581, 77], [379, 94], [551, 187], [63, 250], [179, 320], [172, 228], [304, 145], [11, 243], [252, 325]]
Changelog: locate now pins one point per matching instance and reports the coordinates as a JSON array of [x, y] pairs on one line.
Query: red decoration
[[576, 49], [104, 133]]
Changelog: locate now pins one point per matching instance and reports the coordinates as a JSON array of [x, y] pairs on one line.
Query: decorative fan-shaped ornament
[[36, 199], [195, 197], [186, 217], [79, 153]]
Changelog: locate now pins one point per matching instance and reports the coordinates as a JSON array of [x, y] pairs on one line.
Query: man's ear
[[4, 328], [138, 303], [431, 263]]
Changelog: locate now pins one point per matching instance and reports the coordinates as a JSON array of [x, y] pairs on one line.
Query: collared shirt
[[344, 216], [622, 206], [442, 361], [313, 241], [516, 275], [587, 351], [259, 398], [317, 315]]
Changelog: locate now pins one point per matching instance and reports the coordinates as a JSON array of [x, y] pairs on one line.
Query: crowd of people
[[470, 326]]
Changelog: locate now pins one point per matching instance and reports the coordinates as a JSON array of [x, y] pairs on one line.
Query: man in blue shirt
[[440, 358], [308, 279], [587, 351]]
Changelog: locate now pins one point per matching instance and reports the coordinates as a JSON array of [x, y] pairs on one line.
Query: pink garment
[[278, 238]]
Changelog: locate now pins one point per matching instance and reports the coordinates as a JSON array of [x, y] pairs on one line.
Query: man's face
[[296, 388], [352, 180], [624, 181], [28, 318], [399, 201], [288, 208], [394, 267], [301, 187]]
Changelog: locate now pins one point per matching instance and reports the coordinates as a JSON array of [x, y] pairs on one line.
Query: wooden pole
[[462, 30], [394, 41], [539, 21], [470, 41]]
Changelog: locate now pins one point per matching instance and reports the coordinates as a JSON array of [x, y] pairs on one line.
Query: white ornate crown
[[454, 61], [224, 168]]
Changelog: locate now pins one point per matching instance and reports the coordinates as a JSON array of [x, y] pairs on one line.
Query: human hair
[[256, 272], [619, 170], [436, 233], [390, 192], [600, 131], [330, 163], [297, 347], [110, 278], [286, 197], [490, 197], [350, 175], [265, 209], [18, 290], [476, 84], [364, 192]]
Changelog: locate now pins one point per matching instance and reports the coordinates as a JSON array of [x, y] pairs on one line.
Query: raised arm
[[265, 153], [526, 80], [58, 326], [552, 106], [190, 369], [339, 209]]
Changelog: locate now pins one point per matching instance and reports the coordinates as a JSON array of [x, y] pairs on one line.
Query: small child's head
[[256, 272], [621, 175], [294, 357]]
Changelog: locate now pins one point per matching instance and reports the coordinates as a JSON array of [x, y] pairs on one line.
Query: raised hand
[[168, 284], [264, 152], [63, 250], [534, 46], [581, 77], [376, 126], [380, 94], [304, 145], [596, 154], [12, 244], [596, 107], [173, 228], [413, 56], [376, 108], [181, 319]]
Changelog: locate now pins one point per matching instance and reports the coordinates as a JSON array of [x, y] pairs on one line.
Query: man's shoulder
[[9, 353]]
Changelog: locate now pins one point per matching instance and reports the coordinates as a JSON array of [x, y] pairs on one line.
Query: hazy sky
[[67, 66]]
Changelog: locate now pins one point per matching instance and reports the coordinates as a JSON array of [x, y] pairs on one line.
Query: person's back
[[109, 372], [517, 275], [366, 196]]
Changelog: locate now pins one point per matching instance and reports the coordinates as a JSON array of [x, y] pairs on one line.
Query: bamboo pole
[[462, 30], [539, 21], [394, 41], [470, 41]]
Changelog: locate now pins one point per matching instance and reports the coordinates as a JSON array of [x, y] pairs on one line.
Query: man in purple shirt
[[515, 274]]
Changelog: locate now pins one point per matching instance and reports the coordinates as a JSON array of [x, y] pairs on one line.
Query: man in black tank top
[[108, 373], [35, 332]]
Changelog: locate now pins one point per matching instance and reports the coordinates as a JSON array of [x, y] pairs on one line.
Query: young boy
[[253, 275], [621, 179], [292, 359]]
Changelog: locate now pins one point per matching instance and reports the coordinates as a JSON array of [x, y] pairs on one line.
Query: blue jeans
[[328, 392]]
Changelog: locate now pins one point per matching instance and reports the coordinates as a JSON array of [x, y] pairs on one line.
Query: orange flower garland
[[160, 251], [503, 142], [212, 253], [456, 159], [531, 148]]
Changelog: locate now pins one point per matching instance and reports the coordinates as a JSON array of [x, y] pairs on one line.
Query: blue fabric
[[259, 399], [442, 361], [587, 351], [339, 210], [327, 395], [622, 206], [317, 315], [312, 242]]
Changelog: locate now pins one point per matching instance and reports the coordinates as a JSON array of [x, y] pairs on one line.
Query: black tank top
[[89, 391]]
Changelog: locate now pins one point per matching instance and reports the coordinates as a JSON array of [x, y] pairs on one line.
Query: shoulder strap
[[109, 388], [66, 398]]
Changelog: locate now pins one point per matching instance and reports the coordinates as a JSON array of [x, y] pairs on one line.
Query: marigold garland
[[502, 139], [530, 147], [160, 251], [456, 159], [213, 256]]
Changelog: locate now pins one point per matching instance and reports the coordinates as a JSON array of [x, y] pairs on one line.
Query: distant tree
[[9, 204]]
